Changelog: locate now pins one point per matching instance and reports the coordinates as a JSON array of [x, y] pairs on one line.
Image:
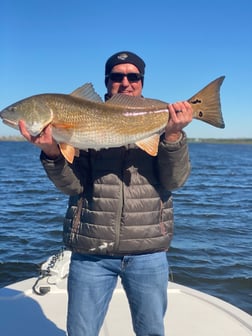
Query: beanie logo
[[122, 57]]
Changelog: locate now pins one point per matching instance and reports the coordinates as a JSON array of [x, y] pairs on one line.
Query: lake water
[[212, 245]]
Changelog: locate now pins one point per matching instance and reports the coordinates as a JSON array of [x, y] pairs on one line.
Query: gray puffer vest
[[125, 203]]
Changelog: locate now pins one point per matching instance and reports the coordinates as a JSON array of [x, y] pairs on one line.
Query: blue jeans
[[92, 279]]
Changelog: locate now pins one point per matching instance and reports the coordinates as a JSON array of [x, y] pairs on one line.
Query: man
[[120, 216]]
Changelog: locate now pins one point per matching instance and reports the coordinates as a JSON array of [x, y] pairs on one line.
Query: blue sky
[[56, 46]]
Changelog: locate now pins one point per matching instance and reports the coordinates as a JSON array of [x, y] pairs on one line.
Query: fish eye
[[12, 109]]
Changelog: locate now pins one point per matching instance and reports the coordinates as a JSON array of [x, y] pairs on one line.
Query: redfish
[[82, 120]]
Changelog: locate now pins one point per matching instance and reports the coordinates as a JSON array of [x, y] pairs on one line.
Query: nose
[[125, 81]]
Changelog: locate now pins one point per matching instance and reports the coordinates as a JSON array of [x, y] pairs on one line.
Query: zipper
[[121, 202], [118, 218]]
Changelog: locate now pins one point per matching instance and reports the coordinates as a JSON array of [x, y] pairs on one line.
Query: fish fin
[[87, 91], [149, 145], [69, 152], [121, 99], [206, 104]]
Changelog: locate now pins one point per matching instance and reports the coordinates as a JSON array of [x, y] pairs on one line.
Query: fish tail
[[206, 104]]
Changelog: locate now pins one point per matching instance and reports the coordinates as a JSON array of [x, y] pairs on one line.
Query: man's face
[[131, 88]]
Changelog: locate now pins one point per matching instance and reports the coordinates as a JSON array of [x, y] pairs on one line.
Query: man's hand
[[44, 140], [180, 115]]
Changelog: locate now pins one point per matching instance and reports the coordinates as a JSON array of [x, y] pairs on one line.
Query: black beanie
[[121, 58]]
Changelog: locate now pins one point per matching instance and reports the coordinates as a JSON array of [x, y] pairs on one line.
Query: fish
[[82, 120]]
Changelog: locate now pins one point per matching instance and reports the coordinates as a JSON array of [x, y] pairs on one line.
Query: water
[[211, 249]]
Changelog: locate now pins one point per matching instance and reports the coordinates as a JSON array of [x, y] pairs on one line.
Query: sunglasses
[[118, 76]]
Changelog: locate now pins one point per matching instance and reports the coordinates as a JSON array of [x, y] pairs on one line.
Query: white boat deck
[[190, 313]]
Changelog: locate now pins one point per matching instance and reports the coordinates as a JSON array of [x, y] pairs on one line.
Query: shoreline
[[242, 141]]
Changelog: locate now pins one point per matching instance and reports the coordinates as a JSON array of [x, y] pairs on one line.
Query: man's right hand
[[44, 140]]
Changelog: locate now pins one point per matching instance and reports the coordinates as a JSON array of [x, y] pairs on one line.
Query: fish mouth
[[10, 123]]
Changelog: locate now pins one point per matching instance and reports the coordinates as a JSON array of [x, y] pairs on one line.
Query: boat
[[38, 306]]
